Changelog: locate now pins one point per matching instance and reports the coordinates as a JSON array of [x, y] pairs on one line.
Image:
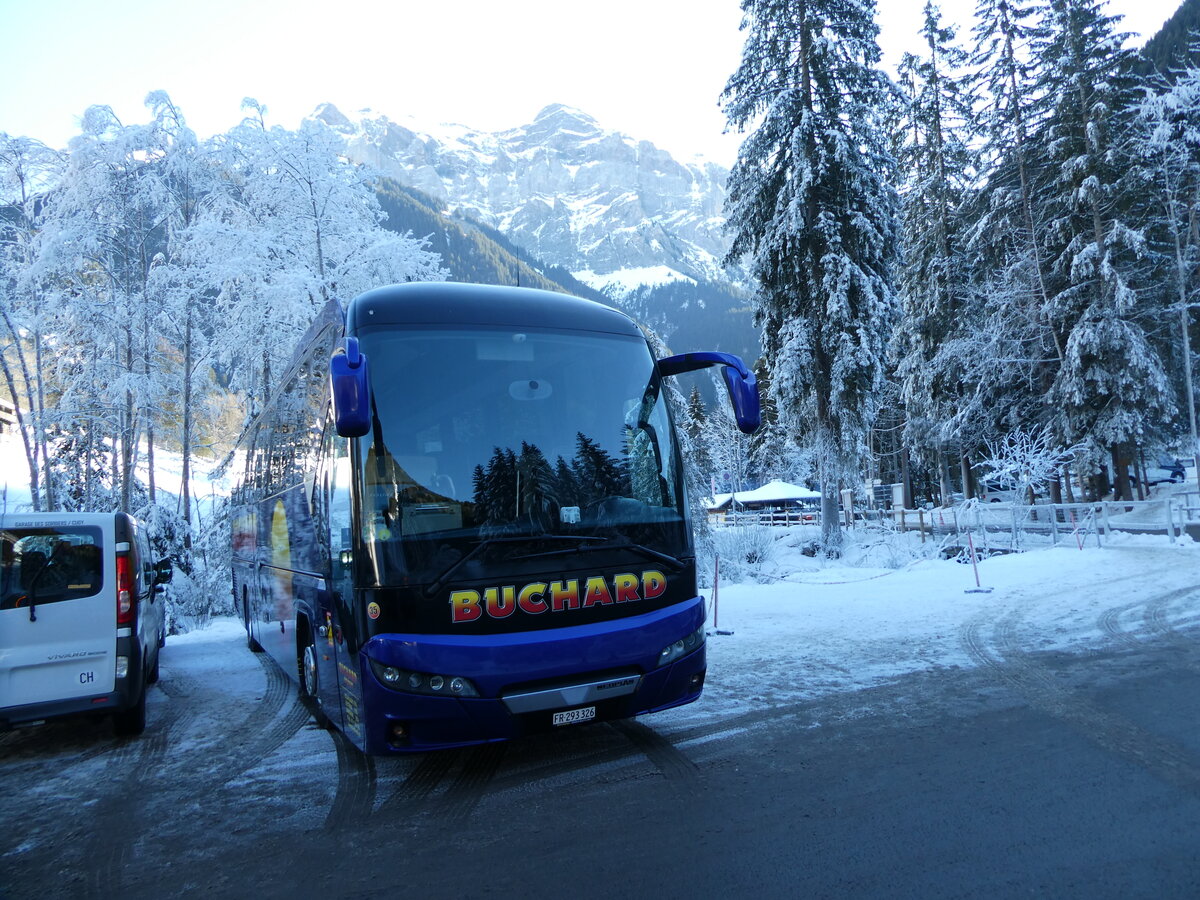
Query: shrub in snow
[[745, 551], [199, 587]]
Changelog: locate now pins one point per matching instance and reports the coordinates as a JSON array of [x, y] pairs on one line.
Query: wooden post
[[716, 587]]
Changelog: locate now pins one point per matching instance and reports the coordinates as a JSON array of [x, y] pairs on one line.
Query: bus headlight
[[681, 648], [423, 682]]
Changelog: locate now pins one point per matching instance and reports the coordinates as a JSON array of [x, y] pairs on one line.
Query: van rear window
[[49, 565]]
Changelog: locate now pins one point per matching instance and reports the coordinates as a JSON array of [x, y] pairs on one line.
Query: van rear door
[[57, 609]]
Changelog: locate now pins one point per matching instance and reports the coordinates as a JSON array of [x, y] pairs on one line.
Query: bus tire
[[131, 722], [310, 677], [251, 643]]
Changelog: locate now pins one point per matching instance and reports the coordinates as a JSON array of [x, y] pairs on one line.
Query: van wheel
[[306, 662], [152, 675], [131, 722]]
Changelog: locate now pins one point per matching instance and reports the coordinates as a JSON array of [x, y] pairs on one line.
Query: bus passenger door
[[341, 594], [326, 636]]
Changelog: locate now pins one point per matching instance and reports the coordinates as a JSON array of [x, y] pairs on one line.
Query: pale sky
[[653, 69]]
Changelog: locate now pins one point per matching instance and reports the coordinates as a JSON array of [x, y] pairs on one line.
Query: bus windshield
[[483, 437]]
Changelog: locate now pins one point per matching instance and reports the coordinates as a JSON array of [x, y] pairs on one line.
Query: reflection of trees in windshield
[[525, 487]]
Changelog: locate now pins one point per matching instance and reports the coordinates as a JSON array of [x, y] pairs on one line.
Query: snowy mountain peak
[[573, 193], [557, 125], [565, 116], [334, 118]]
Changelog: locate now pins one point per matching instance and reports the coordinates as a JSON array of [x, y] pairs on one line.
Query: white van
[[82, 618]]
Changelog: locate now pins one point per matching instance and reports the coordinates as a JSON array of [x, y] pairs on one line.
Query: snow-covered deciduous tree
[[1026, 461], [155, 272], [180, 284], [100, 239], [811, 205], [28, 169], [296, 226]]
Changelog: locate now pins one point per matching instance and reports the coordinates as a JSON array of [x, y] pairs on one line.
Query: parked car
[[1168, 470], [82, 618]]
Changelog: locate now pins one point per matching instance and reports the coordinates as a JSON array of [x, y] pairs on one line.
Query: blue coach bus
[[462, 518]]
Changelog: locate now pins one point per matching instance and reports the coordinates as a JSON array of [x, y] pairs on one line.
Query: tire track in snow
[[1005, 658], [355, 796], [674, 765], [1155, 621], [421, 782], [471, 784]]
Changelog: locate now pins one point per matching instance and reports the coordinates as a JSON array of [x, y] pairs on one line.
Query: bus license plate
[[571, 716]]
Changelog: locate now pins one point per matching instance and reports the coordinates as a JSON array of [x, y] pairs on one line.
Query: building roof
[[772, 492]]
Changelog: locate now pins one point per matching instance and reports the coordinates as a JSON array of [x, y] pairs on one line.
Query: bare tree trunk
[[186, 487], [30, 449], [150, 459], [964, 463], [1121, 487], [39, 421], [125, 477]]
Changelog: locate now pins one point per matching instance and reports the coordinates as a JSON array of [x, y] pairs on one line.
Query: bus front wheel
[[310, 678]]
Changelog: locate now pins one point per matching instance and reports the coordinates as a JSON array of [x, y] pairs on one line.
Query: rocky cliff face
[[573, 194]]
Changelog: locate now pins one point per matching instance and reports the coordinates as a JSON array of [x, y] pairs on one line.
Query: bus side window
[[340, 525]]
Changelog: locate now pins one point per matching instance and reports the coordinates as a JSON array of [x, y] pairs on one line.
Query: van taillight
[[124, 590]]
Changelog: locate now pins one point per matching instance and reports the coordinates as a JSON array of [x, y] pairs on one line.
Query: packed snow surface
[[818, 628]]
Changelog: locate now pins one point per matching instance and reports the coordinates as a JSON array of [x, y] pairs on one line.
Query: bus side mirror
[[739, 381], [743, 394], [350, 389]]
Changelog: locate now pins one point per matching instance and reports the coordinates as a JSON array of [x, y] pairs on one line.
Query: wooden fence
[[1007, 527]]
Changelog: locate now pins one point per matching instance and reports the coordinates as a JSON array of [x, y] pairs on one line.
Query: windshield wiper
[[665, 558], [438, 583]]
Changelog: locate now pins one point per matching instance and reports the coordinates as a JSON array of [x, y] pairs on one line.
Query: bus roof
[[455, 303]]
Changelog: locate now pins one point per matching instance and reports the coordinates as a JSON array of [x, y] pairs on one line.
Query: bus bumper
[[524, 679]]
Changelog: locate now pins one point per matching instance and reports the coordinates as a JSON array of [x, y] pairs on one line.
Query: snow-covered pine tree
[[538, 496], [937, 128], [811, 206], [1008, 69], [1013, 354], [1111, 389]]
